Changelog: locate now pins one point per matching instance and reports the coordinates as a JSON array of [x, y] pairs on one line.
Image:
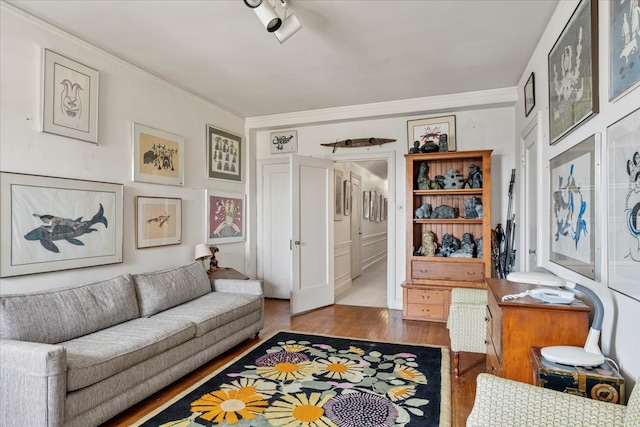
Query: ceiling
[[348, 52]]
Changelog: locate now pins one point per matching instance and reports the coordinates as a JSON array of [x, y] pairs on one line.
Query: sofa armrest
[[504, 402], [33, 378], [253, 287]]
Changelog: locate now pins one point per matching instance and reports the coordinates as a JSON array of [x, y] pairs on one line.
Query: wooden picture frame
[[430, 129], [225, 217], [624, 39], [283, 142], [623, 217], [69, 97], [51, 224], [158, 221], [574, 203], [224, 155], [529, 95], [573, 72], [158, 156], [338, 211]]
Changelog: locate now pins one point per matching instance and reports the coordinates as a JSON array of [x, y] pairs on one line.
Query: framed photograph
[[574, 199], [51, 224], [69, 98], [338, 196], [225, 217], [347, 198], [529, 95], [224, 155], [429, 130], [158, 221], [285, 141], [158, 156], [623, 152], [366, 204], [373, 207], [624, 38], [573, 72]]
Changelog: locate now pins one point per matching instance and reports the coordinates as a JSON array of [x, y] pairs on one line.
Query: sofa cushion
[[161, 290], [214, 310], [62, 314], [97, 356]]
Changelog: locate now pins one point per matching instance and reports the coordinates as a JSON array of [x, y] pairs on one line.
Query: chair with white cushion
[[466, 323]]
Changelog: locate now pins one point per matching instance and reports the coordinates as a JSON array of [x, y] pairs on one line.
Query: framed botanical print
[[623, 152], [158, 221], [574, 203], [430, 130], [225, 217], [624, 39], [69, 98], [573, 72], [224, 155], [158, 156]]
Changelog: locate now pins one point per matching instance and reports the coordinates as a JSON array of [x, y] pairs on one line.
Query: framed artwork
[[338, 197], [429, 130], [366, 202], [386, 209], [69, 98], [373, 207], [285, 141], [529, 95], [225, 217], [624, 38], [574, 226], [51, 224], [623, 152], [380, 216], [224, 155], [347, 198], [158, 156], [573, 72], [158, 221]]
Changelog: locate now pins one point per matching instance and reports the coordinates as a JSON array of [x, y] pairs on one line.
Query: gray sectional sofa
[[79, 356]]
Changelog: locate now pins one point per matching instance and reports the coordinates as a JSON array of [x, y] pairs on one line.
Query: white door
[[531, 202], [312, 235], [356, 226]]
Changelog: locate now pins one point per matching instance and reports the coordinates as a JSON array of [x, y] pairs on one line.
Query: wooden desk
[[514, 326], [226, 273]]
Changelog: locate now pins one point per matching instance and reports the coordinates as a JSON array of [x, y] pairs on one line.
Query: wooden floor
[[342, 320]]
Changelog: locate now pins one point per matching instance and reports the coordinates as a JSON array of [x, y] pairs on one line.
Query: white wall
[[126, 95], [620, 338]]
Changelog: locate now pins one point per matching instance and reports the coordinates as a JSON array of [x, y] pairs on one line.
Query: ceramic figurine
[[467, 247], [471, 208], [450, 244], [423, 211], [423, 180], [474, 180], [443, 141], [416, 147], [429, 245], [453, 180], [444, 211]]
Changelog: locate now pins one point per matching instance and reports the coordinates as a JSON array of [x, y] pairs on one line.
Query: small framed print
[[624, 38], [224, 155], [158, 156], [158, 221], [529, 95], [339, 200], [347, 198], [70, 98], [366, 201], [285, 141], [430, 130], [225, 217]]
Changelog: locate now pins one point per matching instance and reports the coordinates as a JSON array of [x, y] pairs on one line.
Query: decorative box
[[603, 382]]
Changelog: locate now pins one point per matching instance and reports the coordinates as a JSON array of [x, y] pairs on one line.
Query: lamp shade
[[202, 252]]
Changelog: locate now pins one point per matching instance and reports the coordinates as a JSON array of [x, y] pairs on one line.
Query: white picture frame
[[283, 142]]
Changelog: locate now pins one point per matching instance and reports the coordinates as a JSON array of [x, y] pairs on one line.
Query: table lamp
[[203, 252], [590, 354]]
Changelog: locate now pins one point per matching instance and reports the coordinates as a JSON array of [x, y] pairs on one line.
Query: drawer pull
[[423, 270], [471, 273], [427, 297], [486, 342], [486, 319]]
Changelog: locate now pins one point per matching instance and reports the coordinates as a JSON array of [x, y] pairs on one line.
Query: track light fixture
[[283, 25]]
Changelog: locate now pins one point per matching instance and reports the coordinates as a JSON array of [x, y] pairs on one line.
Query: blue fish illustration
[[57, 228]]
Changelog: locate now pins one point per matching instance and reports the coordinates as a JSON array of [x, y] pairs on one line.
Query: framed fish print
[[51, 224], [574, 203], [158, 221], [573, 72], [225, 217], [158, 156], [69, 98], [224, 155], [624, 39], [623, 152]]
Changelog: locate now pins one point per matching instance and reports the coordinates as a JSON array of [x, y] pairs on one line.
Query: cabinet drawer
[[493, 361], [434, 270], [425, 296], [426, 311]]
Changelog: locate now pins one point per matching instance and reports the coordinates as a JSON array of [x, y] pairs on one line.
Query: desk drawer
[[425, 296], [434, 270], [426, 311]]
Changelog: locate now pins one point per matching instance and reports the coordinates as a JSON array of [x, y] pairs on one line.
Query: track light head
[[269, 18], [252, 3]]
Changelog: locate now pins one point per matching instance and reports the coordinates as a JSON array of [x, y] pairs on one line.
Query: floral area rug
[[304, 380]]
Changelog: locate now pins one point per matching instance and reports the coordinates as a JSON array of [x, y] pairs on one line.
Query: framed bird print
[[158, 221], [69, 98]]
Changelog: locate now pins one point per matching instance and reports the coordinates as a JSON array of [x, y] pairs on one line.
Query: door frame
[[394, 292]]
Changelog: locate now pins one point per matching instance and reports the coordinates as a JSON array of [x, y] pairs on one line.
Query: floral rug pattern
[[305, 380]]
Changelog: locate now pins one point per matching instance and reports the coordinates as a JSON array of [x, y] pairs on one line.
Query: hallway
[[369, 289]]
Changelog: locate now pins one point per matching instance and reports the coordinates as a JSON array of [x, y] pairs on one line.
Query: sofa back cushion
[[161, 290], [62, 314]]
